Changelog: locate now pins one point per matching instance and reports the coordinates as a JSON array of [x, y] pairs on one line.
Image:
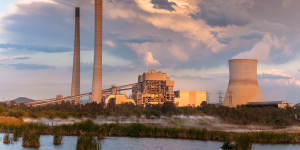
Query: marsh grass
[[57, 138], [87, 142], [31, 132], [31, 138], [16, 134], [7, 139]]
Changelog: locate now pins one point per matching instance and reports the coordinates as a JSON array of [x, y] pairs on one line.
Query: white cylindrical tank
[[243, 85]]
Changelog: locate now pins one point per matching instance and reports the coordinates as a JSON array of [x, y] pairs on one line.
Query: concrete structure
[[97, 75], [189, 98], [75, 89], [153, 88], [118, 99], [243, 85], [277, 104]]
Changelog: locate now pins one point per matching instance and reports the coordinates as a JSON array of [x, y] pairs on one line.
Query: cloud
[[163, 4], [179, 53], [278, 76], [36, 48], [202, 74], [7, 58], [232, 12], [262, 50], [22, 66], [150, 60], [286, 3], [109, 43], [272, 76], [178, 20]]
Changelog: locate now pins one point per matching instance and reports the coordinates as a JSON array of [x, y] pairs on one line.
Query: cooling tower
[[75, 90], [97, 76], [243, 84]]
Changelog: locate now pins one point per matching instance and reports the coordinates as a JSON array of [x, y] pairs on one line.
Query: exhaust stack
[[97, 75], [75, 90], [243, 85]]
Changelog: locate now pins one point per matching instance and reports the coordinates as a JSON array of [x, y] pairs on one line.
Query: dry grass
[[10, 121]]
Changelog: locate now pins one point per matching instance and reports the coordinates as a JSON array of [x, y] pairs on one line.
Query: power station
[[243, 85], [156, 87]]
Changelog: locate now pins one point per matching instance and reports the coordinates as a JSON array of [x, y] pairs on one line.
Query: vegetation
[[228, 146], [17, 133], [86, 142], [31, 133], [31, 136], [6, 139], [242, 115], [242, 143]]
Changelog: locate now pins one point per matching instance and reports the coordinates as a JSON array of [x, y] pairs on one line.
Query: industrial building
[[243, 85], [118, 99], [153, 88], [276, 104], [189, 98]]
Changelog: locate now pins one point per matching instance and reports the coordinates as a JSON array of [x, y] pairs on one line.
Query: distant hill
[[21, 100]]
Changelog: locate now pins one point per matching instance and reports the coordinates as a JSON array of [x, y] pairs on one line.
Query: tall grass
[[31, 138], [57, 138], [7, 139], [87, 142], [140, 130], [17, 133]]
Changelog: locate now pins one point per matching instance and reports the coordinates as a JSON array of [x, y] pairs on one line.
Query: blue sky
[[5, 4], [191, 40]]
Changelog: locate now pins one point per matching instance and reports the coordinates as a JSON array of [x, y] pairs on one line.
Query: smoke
[[262, 50], [150, 60]]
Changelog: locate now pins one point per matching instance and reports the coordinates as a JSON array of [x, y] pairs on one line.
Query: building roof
[[267, 103]]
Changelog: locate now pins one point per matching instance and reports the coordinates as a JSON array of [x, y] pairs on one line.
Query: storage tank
[[243, 85]]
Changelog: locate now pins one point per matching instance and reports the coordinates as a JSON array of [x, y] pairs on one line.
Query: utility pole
[[207, 97], [220, 96]]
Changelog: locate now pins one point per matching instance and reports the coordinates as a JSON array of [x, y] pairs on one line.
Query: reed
[[140, 130], [31, 138], [16, 134], [57, 138], [6, 139], [87, 142]]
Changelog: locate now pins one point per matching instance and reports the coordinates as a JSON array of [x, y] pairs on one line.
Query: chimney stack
[[75, 90], [97, 75], [243, 84]]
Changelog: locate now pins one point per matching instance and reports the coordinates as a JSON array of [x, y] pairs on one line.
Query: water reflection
[[123, 143]]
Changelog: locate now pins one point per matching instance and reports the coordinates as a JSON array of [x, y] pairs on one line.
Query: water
[[123, 143]]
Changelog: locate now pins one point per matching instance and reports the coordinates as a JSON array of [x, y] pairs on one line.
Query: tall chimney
[[75, 90], [243, 84], [97, 76]]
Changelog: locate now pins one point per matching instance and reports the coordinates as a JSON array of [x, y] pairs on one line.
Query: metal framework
[[112, 90]]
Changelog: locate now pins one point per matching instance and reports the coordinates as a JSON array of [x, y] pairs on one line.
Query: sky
[[190, 40]]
